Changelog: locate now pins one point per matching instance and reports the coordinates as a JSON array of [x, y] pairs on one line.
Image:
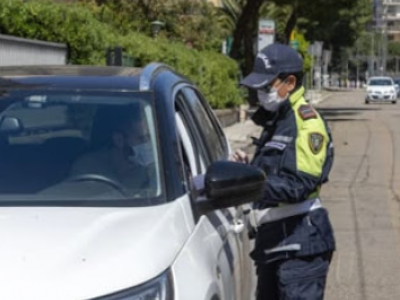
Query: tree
[[394, 48], [185, 21], [326, 20], [332, 21], [280, 14], [230, 12]]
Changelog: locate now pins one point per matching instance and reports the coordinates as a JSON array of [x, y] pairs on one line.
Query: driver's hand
[[240, 157]]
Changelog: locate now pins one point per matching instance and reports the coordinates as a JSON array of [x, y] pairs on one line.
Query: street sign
[[266, 33]]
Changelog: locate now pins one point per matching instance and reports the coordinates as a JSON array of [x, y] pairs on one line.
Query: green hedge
[[88, 38]]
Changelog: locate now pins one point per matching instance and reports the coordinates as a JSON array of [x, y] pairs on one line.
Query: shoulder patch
[[315, 141], [307, 112]]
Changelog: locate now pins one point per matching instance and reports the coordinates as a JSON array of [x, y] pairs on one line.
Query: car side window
[[209, 128], [191, 160], [193, 150]]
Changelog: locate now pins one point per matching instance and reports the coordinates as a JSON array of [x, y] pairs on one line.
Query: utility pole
[[357, 75], [357, 62], [385, 49], [373, 52], [383, 24], [371, 59], [382, 51], [347, 71]]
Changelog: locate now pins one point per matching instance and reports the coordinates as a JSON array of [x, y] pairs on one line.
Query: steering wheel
[[100, 178]]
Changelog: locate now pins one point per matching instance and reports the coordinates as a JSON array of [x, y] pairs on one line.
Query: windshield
[[382, 82], [87, 148]]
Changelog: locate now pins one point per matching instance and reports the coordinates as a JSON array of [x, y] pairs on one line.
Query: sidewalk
[[239, 135], [314, 97]]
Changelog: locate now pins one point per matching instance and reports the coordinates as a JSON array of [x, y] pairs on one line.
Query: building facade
[[388, 18]]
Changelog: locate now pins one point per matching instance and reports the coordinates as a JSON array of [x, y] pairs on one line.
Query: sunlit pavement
[[362, 197]]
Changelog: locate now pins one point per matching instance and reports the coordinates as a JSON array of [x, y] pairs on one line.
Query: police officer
[[294, 238]]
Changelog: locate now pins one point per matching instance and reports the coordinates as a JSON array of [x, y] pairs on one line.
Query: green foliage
[[303, 49], [394, 48], [74, 25], [340, 24], [88, 36], [230, 11], [215, 74], [186, 21], [279, 13], [336, 22]]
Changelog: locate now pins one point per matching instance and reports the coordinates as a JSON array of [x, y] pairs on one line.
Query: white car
[[381, 89], [177, 230]]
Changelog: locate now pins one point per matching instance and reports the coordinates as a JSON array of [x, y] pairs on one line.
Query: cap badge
[[265, 60]]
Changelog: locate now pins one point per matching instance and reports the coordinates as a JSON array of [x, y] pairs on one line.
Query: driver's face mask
[[269, 98], [142, 154]]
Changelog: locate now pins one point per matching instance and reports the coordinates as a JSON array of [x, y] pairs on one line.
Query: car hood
[[381, 88], [82, 253]]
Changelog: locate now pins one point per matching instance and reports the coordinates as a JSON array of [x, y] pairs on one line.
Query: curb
[[323, 98], [228, 117], [337, 89]]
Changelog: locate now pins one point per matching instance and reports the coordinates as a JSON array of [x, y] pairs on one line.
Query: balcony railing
[[393, 29], [391, 2], [389, 17]]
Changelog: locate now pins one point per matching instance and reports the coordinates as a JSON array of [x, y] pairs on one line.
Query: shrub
[[88, 38]]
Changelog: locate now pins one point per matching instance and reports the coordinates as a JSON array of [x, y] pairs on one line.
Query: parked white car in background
[[381, 89]]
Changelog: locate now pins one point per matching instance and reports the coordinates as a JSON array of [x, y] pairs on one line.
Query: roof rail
[[149, 72]]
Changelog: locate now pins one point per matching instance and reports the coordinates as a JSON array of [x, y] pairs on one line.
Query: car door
[[210, 145]]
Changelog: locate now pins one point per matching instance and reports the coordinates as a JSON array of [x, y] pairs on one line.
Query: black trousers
[[301, 278]]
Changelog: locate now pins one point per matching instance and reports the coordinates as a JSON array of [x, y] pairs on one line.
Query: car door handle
[[238, 227], [247, 211]]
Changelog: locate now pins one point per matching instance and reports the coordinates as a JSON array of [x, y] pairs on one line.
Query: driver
[[124, 157]]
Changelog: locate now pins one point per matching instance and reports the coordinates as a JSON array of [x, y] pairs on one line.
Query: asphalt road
[[363, 198], [363, 195]]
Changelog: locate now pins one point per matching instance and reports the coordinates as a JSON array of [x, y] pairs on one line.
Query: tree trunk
[[243, 40], [249, 14], [249, 55], [290, 25]]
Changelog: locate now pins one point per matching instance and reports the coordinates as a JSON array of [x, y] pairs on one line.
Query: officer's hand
[[240, 157]]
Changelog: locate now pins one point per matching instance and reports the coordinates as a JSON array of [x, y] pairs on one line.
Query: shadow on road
[[330, 120], [348, 108], [345, 114], [330, 113], [338, 113]]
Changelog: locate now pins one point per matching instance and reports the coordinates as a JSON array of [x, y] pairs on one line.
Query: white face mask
[[142, 154], [270, 101]]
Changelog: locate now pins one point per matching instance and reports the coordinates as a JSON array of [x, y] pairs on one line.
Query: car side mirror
[[229, 184], [10, 125], [364, 85]]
